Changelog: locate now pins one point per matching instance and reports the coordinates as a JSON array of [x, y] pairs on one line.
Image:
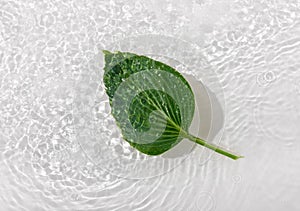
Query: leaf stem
[[216, 148]]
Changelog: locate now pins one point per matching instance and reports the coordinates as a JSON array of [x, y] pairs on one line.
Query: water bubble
[[237, 179], [266, 78], [205, 202]]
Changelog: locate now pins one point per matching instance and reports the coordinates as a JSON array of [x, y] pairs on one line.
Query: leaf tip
[[106, 52]]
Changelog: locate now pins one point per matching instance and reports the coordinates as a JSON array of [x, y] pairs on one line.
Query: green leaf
[[151, 102]]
